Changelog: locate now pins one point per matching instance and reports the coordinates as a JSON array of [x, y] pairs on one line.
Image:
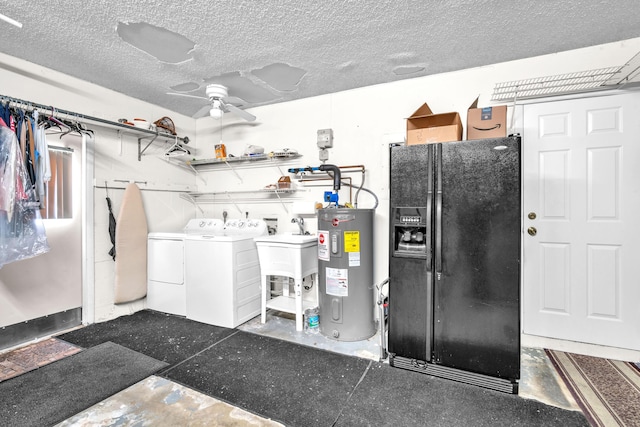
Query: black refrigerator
[[454, 261]]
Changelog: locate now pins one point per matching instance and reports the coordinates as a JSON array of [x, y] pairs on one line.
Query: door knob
[[532, 231]]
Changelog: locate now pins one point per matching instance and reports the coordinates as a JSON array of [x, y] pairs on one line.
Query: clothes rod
[[121, 184], [85, 118], [57, 148], [159, 190]]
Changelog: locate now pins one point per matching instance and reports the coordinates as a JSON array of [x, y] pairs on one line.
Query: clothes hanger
[[176, 149], [73, 127], [69, 125], [53, 119], [82, 129]]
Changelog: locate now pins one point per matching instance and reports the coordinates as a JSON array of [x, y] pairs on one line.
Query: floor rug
[[33, 356], [165, 337], [283, 381], [389, 396], [61, 389], [608, 391]]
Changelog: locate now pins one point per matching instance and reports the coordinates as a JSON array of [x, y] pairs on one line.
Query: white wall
[[115, 158], [364, 122], [52, 282]]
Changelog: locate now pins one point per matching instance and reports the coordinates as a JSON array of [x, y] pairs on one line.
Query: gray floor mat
[[162, 336], [290, 383], [390, 396], [57, 391]]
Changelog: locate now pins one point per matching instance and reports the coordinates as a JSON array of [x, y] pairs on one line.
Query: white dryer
[[165, 273], [222, 272], [166, 288]]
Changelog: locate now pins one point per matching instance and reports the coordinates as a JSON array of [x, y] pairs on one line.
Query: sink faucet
[[300, 222]]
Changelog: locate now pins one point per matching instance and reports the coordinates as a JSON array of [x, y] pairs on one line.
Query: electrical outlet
[[325, 138]]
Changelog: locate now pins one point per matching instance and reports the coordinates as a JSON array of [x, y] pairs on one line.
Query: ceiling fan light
[[216, 113]]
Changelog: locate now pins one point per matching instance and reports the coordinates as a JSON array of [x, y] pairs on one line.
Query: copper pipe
[[352, 167]]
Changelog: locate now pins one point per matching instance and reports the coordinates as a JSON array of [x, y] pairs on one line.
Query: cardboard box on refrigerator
[[424, 127], [487, 122]]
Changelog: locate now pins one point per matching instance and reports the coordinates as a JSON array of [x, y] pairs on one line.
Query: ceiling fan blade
[[186, 95], [238, 102], [203, 112], [235, 110]]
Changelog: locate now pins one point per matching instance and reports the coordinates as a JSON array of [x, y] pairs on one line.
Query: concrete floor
[[157, 401]]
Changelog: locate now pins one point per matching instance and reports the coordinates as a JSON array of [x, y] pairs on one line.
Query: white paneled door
[[581, 185]]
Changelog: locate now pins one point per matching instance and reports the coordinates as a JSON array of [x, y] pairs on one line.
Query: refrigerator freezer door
[[477, 285], [410, 278]]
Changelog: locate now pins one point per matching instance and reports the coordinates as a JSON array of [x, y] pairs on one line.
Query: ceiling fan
[[220, 103]]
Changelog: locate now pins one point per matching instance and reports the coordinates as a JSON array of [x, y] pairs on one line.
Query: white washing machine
[[222, 272], [165, 266]]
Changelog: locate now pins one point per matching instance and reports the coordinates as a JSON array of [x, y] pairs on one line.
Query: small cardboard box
[[487, 122], [284, 183], [424, 127]]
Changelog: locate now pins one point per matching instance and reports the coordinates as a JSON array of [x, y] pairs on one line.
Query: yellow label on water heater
[[352, 241]]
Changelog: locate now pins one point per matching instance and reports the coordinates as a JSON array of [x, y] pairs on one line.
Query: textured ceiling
[[279, 50]]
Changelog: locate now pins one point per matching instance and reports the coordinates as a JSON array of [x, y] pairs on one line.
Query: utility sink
[[288, 255]]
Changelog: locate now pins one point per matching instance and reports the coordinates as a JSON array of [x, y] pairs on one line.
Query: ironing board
[[131, 248]]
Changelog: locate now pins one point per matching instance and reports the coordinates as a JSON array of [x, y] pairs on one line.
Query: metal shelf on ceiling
[[561, 84]]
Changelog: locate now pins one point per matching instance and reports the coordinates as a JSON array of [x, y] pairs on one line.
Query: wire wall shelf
[[258, 159], [265, 195], [561, 84], [245, 195], [629, 73]]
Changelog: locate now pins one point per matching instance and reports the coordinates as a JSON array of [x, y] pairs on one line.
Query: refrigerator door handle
[[438, 222], [429, 217], [428, 228], [438, 234]]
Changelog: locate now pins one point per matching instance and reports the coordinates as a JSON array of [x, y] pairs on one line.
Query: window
[[58, 200]]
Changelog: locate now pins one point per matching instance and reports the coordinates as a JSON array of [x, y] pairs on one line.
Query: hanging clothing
[[21, 130], [42, 160], [5, 114], [8, 162], [22, 233], [112, 228], [30, 149]]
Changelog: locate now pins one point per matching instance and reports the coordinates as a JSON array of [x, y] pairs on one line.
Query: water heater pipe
[[346, 179], [336, 174]]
